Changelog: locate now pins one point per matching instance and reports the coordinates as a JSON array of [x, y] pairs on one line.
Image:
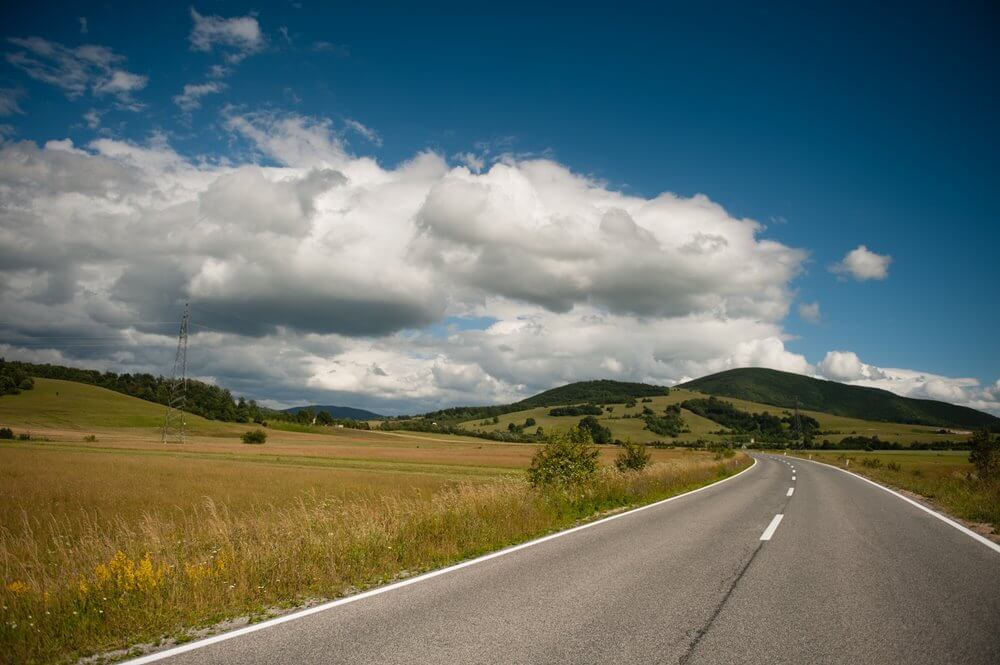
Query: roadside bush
[[721, 450], [90, 438], [568, 459], [6, 433], [985, 455], [254, 436], [893, 466], [24, 436], [633, 457], [871, 463]]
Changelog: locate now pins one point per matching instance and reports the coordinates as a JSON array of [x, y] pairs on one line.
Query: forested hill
[[770, 386], [203, 399], [341, 412], [601, 391]]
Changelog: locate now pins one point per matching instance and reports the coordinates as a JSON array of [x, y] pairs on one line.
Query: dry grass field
[[119, 540]]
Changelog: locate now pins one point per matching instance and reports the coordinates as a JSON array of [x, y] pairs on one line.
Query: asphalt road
[[850, 574]]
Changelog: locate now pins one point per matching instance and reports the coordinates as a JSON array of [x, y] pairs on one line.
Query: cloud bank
[[318, 275]]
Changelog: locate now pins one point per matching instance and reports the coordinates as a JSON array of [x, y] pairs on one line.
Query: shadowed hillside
[[770, 386]]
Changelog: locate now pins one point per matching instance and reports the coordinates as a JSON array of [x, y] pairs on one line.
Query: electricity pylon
[[173, 421]]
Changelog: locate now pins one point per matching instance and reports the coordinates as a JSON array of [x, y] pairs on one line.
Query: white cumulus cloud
[[238, 37], [348, 273], [863, 264], [847, 367]]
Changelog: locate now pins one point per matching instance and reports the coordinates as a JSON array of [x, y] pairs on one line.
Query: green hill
[[601, 391], [55, 403], [344, 412], [782, 389]]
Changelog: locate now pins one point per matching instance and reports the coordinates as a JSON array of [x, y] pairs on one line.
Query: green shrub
[[872, 463], [568, 459], [6, 433], [984, 454], [254, 436], [721, 450], [90, 438], [24, 436], [633, 457], [893, 466]]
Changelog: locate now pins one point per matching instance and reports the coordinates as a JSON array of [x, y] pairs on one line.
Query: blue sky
[[833, 127]]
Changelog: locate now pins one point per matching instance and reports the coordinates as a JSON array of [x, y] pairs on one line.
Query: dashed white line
[[793, 479], [791, 490], [772, 527]]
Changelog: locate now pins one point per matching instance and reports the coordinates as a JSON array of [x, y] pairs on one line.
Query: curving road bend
[[849, 573]]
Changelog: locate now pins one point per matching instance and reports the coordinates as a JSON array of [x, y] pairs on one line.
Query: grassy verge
[[944, 478], [76, 585]]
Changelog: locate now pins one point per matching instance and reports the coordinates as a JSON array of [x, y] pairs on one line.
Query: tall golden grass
[[77, 585]]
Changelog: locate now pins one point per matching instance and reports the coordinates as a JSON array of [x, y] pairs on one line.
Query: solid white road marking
[[947, 520], [191, 646], [790, 491], [772, 527]]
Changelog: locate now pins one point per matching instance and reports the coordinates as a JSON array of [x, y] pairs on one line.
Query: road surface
[[849, 573]]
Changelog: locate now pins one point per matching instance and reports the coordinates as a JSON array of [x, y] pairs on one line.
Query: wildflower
[[18, 588]]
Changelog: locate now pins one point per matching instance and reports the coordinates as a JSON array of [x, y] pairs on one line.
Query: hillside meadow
[[109, 538], [702, 428]]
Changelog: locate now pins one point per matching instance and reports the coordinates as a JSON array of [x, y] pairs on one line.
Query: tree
[[984, 454], [598, 433], [529, 422], [633, 457], [567, 460], [323, 418]]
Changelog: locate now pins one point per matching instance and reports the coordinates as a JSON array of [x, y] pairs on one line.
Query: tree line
[[761, 426]]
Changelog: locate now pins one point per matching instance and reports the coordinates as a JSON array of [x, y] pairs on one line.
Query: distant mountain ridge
[[769, 386], [337, 412]]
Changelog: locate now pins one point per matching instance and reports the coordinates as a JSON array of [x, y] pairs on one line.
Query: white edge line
[[947, 520], [191, 646], [772, 527]]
